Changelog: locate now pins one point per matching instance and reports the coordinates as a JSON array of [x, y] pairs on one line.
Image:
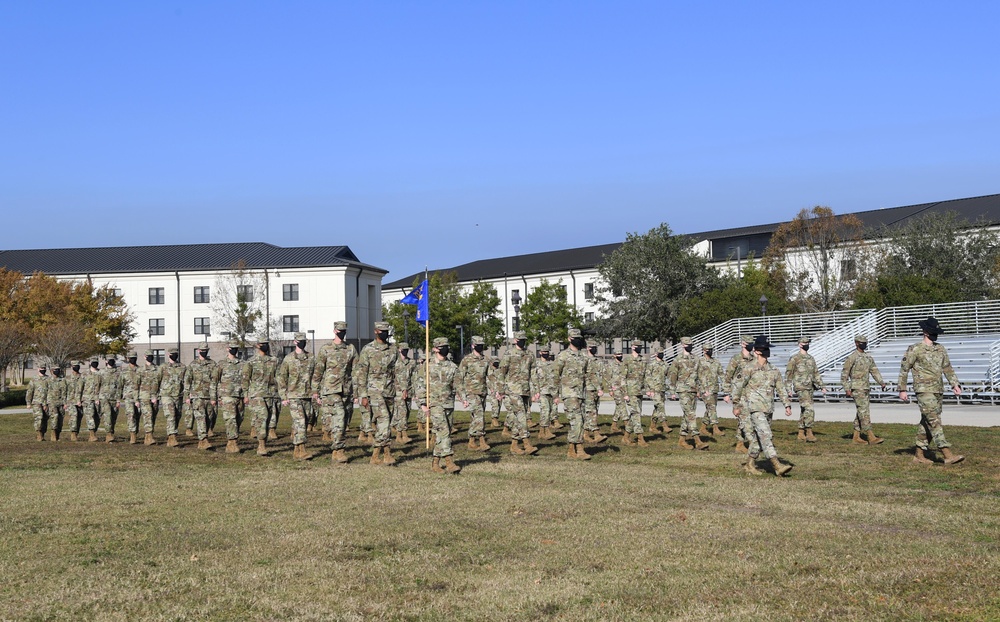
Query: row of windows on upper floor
[[203, 295], [203, 325]]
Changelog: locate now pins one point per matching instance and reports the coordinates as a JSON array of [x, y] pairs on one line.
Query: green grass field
[[90, 531]]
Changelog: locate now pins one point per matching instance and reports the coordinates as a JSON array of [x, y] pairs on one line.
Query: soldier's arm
[[845, 373], [319, 368], [904, 369], [876, 375], [790, 369], [949, 373]]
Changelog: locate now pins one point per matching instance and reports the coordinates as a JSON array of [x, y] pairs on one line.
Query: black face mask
[[618, 357], [383, 335], [687, 348], [636, 350], [342, 334], [234, 351], [76, 368], [765, 352], [578, 342], [111, 364], [862, 346], [521, 343], [708, 353], [266, 349], [749, 347], [203, 354], [149, 359], [443, 351], [403, 353], [659, 355], [173, 357], [496, 364], [932, 336], [805, 347], [301, 345], [593, 350], [479, 348], [93, 365], [132, 360]]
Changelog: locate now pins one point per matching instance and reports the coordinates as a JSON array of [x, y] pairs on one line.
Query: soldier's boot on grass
[[133, 438], [581, 453], [406, 438], [375, 456], [92, 438], [361, 436], [189, 432], [339, 456], [204, 444], [614, 426], [172, 440], [780, 469], [210, 433], [750, 466], [495, 422], [483, 446], [627, 438], [802, 434], [703, 430], [597, 437], [920, 458], [272, 435], [716, 431], [514, 449], [555, 423], [741, 447], [874, 440], [253, 431], [587, 437], [473, 445], [109, 437], [857, 438], [571, 450], [387, 457], [682, 442], [232, 447], [52, 435], [73, 436], [326, 436], [700, 444], [450, 465], [950, 458], [640, 440], [811, 438], [149, 440], [436, 465], [546, 433], [528, 447], [262, 447], [506, 432], [39, 436]]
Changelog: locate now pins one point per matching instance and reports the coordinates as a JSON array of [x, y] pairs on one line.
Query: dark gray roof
[[182, 257], [976, 209]]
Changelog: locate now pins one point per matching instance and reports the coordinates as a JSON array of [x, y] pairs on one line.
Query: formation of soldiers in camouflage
[[382, 380]]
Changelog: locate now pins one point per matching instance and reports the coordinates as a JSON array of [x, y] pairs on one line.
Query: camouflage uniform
[[130, 394], [149, 393], [55, 397], [110, 396], [656, 383], [514, 380], [472, 383], [260, 392], [683, 378], [710, 377], [91, 396], [594, 387], [376, 382], [201, 389], [36, 398], [929, 363], [295, 387], [494, 388], [635, 380], [333, 383], [439, 397], [736, 371], [172, 388], [756, 390], [854, 378], [74, 398], [571, 372], [229, 389], [543, 384], [615, 379], [802, 375], [405, 370]]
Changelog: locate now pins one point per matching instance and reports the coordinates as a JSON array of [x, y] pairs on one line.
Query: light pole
[[313, 334], [763, 304], [515, 299], [461, 341]]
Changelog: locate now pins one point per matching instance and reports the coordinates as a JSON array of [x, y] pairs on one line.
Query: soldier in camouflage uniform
[[683, 377], [635, 381], [615, 372], [404, 392], [172, 389], [802, 375], [260, 395], [55, 397], [595, 390], [494, 390], [710, 377], [333, 387], [756, 392], [571, 371], [91, 398], [854, 378], [295, 388], [130, 396], [514, 382], [229, 388], [737, 369], [656, 388], [929, 361], [201, 392], [74, 400], [376, 385], [35, 397], [472, 384], [149, 396], [438, 400], [110, 396], [542, 383]]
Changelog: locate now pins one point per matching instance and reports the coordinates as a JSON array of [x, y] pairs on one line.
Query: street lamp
[[313, 334], [461, 340], [406, 327], [515, 299], [149, 333], [763, 304]]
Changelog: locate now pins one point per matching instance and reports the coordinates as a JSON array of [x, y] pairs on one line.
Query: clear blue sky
[[436, 133]]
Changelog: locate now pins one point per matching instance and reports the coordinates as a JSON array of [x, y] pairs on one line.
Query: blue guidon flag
[[419, 297]]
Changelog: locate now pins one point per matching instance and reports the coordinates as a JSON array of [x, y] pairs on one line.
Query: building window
[[290, 291], [157, 326], [244, 293], [563, 287], [158, 357], [588, 291], [118, 292], [202, 326], [588, 316], [194, 354], [290, 323], [201, 295], [286, 350], [848, 269], [156, 296]]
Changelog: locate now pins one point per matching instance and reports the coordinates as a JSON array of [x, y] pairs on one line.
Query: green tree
[[239, 305], [484, 309], [737, 297], [546, 315], [647, 279]]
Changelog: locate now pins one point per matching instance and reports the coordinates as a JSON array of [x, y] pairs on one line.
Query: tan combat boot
[[55, 435], [571, 450], [716, 431], [597, 437], [802, 434], [149, 440], [780, 469], [436, 465], [587, 438], [406, 438], [614, 426], [361, 436], [450, 465], [73, 436], [253, 431], [810, 437], [700, 444], [133, 438], [627, 438], [950, 458], [473, 445], [39, 436], [874, 440], [741, 447], [682, 442], [555, 424], [506, 432], [483, 446], [387, 456], [189, 432], [641, 440], [750, 466], [514, 449], [704, 431], [92, 438], [262, 447], [375, 456], [232, 447], [857, 438], [544, 434], [210, 433], [495, 422], [172, 440], [309, 428], [581, 453], [326, 436], [108, 438], [272, 435], [339, 456], [204, 444], [528, 447]]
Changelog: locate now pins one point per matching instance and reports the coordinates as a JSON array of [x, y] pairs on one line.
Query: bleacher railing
[[778, 328]]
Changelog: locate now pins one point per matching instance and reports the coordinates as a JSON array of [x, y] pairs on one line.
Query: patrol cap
[[592, 344], [133, 354], [440, 341], [402, 345], [477, 340], [233, 343], [574, 333], [655, 349], [95, 360], [520, 334], [804, 341], [263, 342], [543, 349], [74, 363], [860, 339], [686, 341], [746, 339], [148, 353], [42, 367], [381, 326], [300, 336], [340, 325], [173, 351], [708, 346], [110, 357]]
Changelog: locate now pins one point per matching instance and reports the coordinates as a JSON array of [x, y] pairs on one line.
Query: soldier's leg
[[71, 417], [807, 415], [134, 414], [863, 421], [477, 416], [333, 408], [689, 422], [110, 415], [381, 419], [199, 411], [544, 411], [761, 436], [574, 413], [634, 425], [659, 408], [711, 418], [930, 421], [54, 412], [621, 412], [230, 415], [40, 421], [366, 417], [441, 426], [517, 416], [146, 409], [170, 408], [273, 412], [297, 409]]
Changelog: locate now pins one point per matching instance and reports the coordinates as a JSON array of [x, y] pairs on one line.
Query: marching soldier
[[91, 398], [74, 400], [201, 393], [294, 385], [494, 391], [333, 388], [110, 396], [710, 376], [514, 383], [656, 389], [55, 396], [472, 384], [172, 389], [635, 380], [260, 395], [377, 388], [683, 377], [438, 400], [756, 392], [802, 375], [594, 389], [404, 392], [37, 399], [854, 378], [229, 391], [571, 371], [149, 396], [737, 369], [616, 380], [130, 396]]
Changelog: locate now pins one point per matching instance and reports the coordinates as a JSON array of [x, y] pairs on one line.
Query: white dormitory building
[[726, 249], [170, 289]]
